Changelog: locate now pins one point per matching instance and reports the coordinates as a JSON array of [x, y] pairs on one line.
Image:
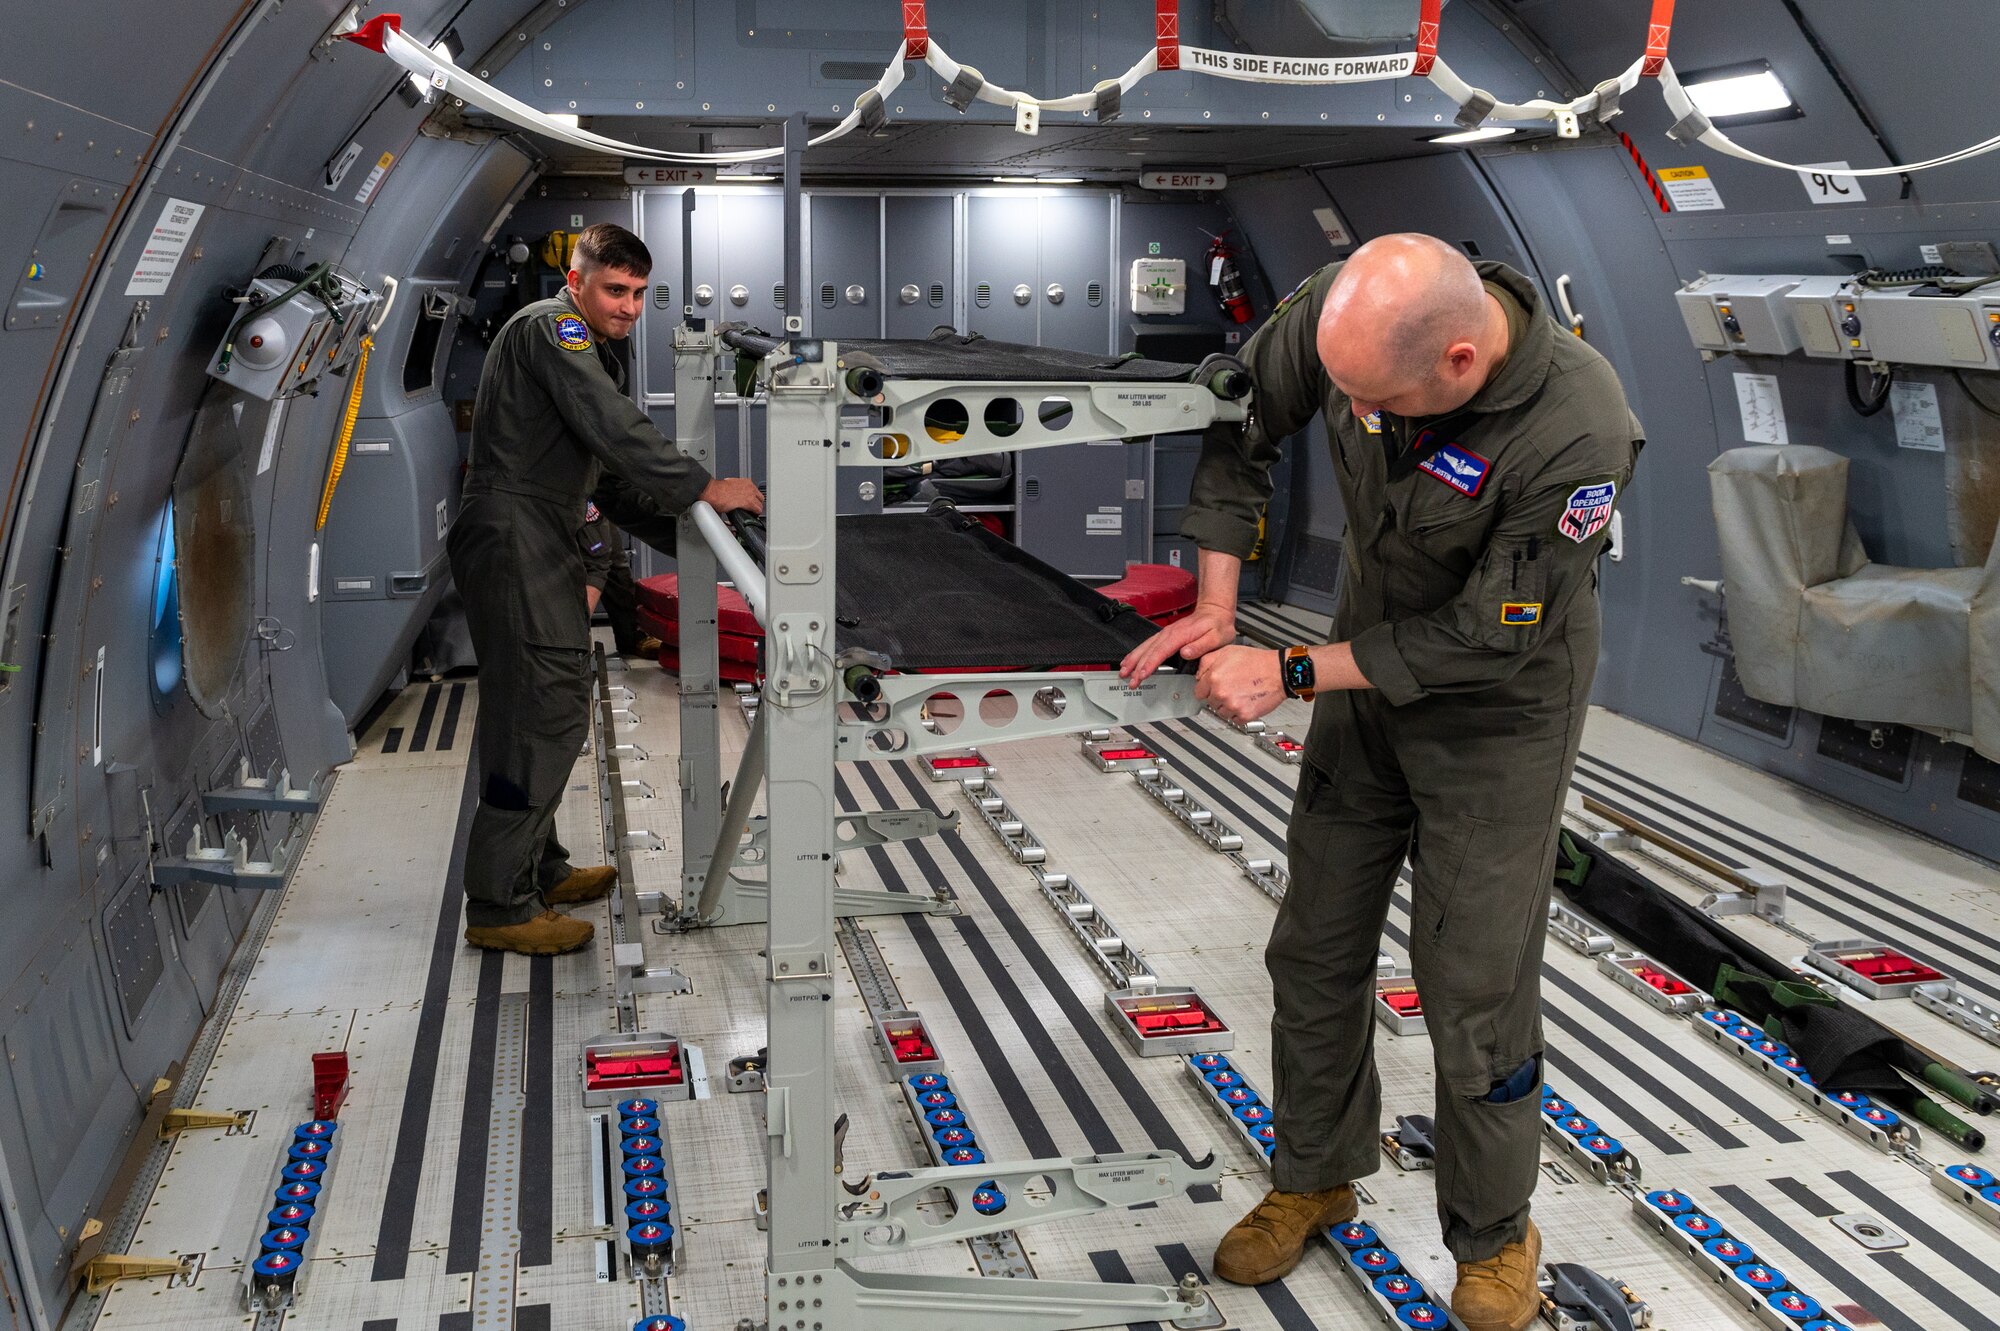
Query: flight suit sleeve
[[1232, 481], [1540, 558], [595, 543], [636, 512], [562, 358]]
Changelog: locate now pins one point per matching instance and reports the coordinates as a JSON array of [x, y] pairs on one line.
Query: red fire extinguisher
[[1227, 281]]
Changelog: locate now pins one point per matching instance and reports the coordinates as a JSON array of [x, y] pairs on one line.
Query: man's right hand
[[1201, 632], [726, 496]]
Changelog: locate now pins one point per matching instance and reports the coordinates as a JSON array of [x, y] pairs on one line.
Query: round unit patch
[[572, 333]]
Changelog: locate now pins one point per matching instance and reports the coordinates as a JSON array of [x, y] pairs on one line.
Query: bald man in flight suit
[[551, 428], [1480, 450]]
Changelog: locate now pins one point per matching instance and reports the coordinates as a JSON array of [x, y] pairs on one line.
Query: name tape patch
[[1460, 468], [1587, 510], [572, 333], [1521, 612]]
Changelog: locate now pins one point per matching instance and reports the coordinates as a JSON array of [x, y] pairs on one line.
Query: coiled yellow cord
[[347, 421]]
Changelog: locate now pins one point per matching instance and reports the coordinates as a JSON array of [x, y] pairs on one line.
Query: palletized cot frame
[[821, 417]]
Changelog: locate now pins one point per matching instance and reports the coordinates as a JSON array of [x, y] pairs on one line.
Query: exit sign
[[636, 174], [1182, 180]]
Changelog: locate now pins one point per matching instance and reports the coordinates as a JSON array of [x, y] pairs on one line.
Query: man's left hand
[[1240, 683]]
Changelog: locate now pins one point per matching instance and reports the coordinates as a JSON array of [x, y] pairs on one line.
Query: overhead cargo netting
[[964, 84]]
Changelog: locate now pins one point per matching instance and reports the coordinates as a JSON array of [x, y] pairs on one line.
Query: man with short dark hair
[[552, 425], [1480, 450]]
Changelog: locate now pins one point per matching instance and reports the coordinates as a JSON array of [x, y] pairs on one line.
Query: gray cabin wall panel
[[1073, 233], [1440, 194], [846, 251], [751, 254], [918, 244], [134, 77], [1001, 254]]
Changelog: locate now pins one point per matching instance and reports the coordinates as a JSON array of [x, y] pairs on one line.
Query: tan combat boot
[[583, 885], [1267, 1243], [548, 933], [1499, 1293], [649, 647]]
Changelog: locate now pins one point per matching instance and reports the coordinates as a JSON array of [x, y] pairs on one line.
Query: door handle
[[1574, 319]]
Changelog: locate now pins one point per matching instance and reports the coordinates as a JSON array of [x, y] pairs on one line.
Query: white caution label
[[1690, 189], [1291, 69], [1335, 230], [164, 248], [1763, 409], [1919, 423], [382, 165]]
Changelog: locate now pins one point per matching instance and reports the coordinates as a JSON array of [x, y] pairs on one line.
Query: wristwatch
[[1295, 669]]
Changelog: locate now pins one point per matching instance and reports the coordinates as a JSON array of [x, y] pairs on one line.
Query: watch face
[[1299, 672]]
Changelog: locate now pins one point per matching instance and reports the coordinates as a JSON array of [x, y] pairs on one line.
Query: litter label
[[1690, 189], [1762, 407], [164, 248], [1919, 423], [1826, 183], [382, 165]]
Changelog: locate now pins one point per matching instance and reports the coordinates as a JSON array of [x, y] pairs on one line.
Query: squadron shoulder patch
[[572, 333], [1372, 422], [1587, 510], [1521, 612]]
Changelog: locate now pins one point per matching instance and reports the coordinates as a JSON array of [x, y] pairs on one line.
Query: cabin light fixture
[[1038, 180], [1741, 94], [1480, 135]]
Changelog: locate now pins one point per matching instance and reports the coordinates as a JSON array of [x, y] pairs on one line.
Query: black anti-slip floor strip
[[1573, 1076], [1804, 1198], [1228, 769], [1840, 1275], [1144, 1109], [393, 740], [468, 1193], [454, 703], [455, 1321], [1957, 955], [533, 1317], [426, 715], [1906, 1220], [1966, 1317], [1111, 1269], [406, 1166], [1871, 897], [538, 1126], [380, 1324], [1020, 1106]]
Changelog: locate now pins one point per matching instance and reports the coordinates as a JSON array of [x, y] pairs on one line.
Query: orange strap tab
[[1658, 33], [1166, 34], [1427, 37], [916, 31]]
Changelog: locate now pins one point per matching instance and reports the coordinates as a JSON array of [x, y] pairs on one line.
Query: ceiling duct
[[1317, 27]]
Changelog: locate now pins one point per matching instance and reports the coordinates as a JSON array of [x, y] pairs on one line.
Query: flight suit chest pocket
[[1505, 604]]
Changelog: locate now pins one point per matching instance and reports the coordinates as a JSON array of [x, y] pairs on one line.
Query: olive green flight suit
[[551, 417], [1470, 598]]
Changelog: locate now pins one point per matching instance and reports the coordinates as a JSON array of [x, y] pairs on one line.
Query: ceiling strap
[[1166, 34], [916, 31], [1427, 37], [1658, 33]]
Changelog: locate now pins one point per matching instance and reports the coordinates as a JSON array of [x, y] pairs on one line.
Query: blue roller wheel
[[945, 1118], [1223, 1078], [285, 1238], [1398, 1288], [1601, 1146], [1852, 1099], [1355, 1236], [317, 1129], [1876, 1116], [949, 1137], [1733, 1251], [298, 1190], [1747, 1033], [638, 1109], [1252, 1114], [1239, 1095], [1208, 1062], [1769, 1048], [1793, 1064], [987, 1199], [929, 1100], [641, 1212], [312, 1148], [304, 1171], [1372, 1262], [1762, 1278], [1827, 1324], [1265, 1132], [641, 1126], [644, 1166], [965, 1155], [641, 1146], [277, 1268], [660, 1324], [1807, 1078], [644, 1188], [1576, 1125], [650, 1237], [1716, 1016], [1972, 1176], [1669, 1202], [1991, 1195], [930, 1081], [289, 1213], [1270, 1147], [1696, 1225], [1554, 1106], [1790, 1303], [1423, 1314]]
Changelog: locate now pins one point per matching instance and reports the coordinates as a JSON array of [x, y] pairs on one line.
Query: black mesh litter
[[938, 591], [954, 357]]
